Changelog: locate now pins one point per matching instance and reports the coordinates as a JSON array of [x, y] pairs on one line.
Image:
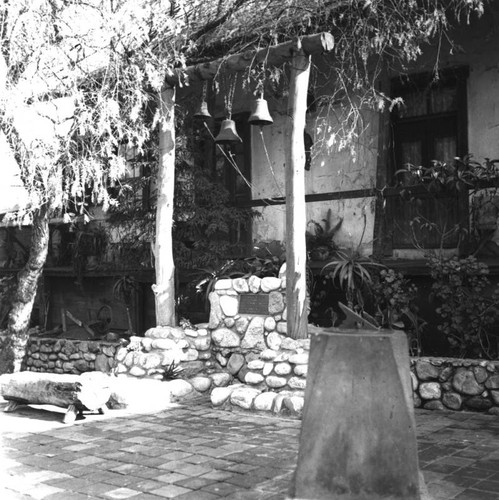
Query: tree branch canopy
[[111, 58], [276, 55]]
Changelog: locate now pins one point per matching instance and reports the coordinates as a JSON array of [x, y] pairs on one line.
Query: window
[[430, 126]]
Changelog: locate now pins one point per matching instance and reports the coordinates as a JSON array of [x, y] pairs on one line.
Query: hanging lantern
[[202, 113], [260, 114], [228, 133]]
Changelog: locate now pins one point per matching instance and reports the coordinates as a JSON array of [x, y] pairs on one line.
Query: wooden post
[[164, 289], [296, 252], [299, 56]]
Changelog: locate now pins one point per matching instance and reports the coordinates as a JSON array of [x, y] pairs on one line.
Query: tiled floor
[[196, 452]]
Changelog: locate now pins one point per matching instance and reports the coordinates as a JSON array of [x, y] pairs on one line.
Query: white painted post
[[164, 288], [296, 224]]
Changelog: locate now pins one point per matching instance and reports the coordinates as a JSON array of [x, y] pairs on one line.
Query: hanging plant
[[257, 73], [260, 115], [203, 113], [228, 132], [230, 80]]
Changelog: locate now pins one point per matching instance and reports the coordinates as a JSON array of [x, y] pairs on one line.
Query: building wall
[[356, 230], [483, 106], [333, 169], [336, 170]]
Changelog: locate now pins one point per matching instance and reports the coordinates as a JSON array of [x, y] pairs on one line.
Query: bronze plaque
[[252, 303]]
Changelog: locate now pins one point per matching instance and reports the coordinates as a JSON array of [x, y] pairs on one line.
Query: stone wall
[[164, 348], [69, 356], [455, 384], [276, 381], [268, 379], [251, 345], [270, 369], [226, 308], [244, 359]]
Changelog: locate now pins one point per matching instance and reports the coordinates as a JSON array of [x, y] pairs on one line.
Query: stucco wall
[[333, 170], [483, 107], [355, 228], [333, 167]]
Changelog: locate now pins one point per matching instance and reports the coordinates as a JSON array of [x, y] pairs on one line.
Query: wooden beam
[[164, 288], [272, 56], [351, 194], [296, 217]]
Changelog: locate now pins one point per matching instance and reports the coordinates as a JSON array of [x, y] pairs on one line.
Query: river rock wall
[[243, 358], [455, 384], [50, 355], [248, 339]]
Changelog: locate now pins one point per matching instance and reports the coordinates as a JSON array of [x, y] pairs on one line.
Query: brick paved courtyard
[[195, 452]]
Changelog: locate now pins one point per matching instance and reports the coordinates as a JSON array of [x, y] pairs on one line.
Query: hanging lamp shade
[[202, 113], [228, 133], [260, 114]]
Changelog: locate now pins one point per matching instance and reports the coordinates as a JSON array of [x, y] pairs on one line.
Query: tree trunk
[[296, 224], [24, 296], [164, 289], [90, 390]]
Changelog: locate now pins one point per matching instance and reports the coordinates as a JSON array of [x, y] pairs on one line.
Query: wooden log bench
[[89, 391]]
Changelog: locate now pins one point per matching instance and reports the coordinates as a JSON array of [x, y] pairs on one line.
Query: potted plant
[[267, 259], [320, 239]]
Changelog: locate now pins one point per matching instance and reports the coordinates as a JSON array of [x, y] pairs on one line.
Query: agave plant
[[172, 372], [354, 274]]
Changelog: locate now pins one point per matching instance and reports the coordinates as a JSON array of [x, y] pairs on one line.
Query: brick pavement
[[195, 452]]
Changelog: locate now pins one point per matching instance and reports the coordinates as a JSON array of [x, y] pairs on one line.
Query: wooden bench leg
[[12, 406], [70, 415]]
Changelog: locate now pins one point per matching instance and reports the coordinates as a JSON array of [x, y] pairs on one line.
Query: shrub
[[395, 306], [468, 312]]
